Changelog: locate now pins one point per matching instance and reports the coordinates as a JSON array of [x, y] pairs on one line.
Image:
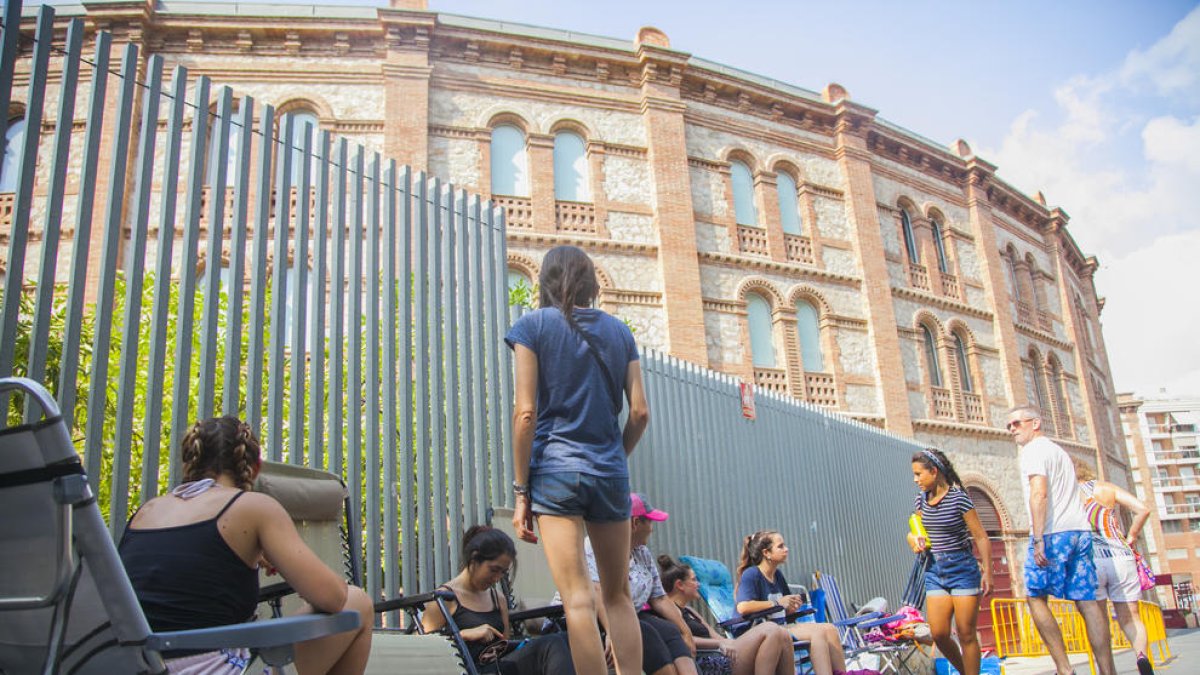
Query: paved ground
[[1185, 650]]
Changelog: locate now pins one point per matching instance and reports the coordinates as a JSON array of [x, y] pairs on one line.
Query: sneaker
[[1144, 665]]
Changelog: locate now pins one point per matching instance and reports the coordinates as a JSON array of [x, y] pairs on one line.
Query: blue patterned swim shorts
[[1071, 574]]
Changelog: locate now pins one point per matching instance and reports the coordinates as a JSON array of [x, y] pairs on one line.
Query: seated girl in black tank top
[[481, 615], [193, 556]]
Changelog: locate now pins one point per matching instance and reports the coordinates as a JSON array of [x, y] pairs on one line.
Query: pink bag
[[1145, 574]]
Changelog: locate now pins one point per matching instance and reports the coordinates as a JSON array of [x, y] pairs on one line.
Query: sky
[[1094, 102]]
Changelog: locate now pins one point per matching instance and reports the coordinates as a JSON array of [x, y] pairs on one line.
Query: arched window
[[743, 194], [762, 346], [13, 138], [301, 120], [1010, 264], [809, 329], [570, 168], [789, 211], [510, 170], [931, 357], [231, 154], [1039, 393], [1059, 393], [964, 366], [940, 246], [910, 242], [517, 278], [292, 307]]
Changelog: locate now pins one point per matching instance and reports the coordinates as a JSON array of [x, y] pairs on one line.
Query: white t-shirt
[[1064, 508]]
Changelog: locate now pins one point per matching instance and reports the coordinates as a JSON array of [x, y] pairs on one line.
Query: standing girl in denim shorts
[[574, 364], [953, 584]]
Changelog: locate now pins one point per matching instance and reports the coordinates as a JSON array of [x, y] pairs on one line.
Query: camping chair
[[853, 628], [66, 604], [716, 587], [318, 503]]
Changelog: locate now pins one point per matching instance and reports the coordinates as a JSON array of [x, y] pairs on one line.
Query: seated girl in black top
[[759, 585], [765, 649], [193, 555], [482, 616]]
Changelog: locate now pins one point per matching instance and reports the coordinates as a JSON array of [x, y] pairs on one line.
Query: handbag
[[1145, 574]]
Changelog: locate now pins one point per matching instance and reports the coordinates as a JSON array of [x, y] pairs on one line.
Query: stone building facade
[[795, 239]]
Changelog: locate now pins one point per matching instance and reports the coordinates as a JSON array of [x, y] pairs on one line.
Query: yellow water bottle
[[918, 528]]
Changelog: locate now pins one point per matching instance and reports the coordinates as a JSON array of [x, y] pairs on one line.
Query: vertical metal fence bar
[[498, 453], [317, 403], [448, 279], [477, 410], [68, 373], [300, 293], [46, 285], [127, 389], [231, 386], [182, 362], [102, 338], [354, 381], [407, 477], [258, 280], [279, 287], [422, 226], [437, 393], [337, 312], [391, 316], [372, 395], [503, 355], [218, 162], [463, 351], [159, 327], [18, 235], [9, 45]]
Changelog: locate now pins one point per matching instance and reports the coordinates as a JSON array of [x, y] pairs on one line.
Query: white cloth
[[1064, 508], [1117, 580]]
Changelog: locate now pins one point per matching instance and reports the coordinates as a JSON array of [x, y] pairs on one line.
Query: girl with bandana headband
[[954, 583]]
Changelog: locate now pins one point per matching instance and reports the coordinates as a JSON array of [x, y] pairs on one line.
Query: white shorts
[[1117, 579]]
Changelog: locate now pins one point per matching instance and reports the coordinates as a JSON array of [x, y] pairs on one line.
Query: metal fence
[[838, 490], [352, 311]]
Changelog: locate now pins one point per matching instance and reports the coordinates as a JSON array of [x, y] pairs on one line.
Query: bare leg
[[752, 647], [610, 543], [1132, 626], [824, 648], [966, 616], [837, 654], [563, 539], [939, 609], [1051, 634], [344, 653], [1095, 617], [686, 665]]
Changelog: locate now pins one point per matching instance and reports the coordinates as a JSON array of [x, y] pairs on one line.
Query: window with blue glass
[[789, 210], [964, 366], [808, 326], [743, 194], [510, 169], [940, 247], [13, 138], [570, 168], [932, 364], [762, 346], [910, 242]]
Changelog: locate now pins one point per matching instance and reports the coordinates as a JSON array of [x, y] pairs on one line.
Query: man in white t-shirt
[[1059, 562]]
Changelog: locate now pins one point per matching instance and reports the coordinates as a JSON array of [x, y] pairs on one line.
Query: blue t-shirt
[[577, 427], [754, 586]]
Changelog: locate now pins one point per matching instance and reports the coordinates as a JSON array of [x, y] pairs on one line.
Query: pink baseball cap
[[643, 509]]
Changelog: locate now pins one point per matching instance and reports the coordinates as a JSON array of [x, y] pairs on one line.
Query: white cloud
[[1121, 154]]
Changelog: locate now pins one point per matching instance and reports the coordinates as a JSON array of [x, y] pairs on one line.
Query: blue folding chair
[[853, 629], [716, 587]]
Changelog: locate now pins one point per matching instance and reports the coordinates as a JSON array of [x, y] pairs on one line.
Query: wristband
[[520, 489]]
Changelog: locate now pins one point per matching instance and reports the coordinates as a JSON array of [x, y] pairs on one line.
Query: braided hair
[[221, 445], [936, 460], [753, 548], [567, 281]]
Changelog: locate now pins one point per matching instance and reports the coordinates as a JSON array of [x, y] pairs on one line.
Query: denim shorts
[[596, 499], [953, 573], [1071, 572]]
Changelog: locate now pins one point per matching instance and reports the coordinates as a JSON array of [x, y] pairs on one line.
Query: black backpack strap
[[614, 391]]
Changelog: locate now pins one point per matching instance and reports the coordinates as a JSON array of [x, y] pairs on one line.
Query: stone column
[[766, 192], [540, 156], [854, 160], [662, 113], [991, 264], [406, 72]]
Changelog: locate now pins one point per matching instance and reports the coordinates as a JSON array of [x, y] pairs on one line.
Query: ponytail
[[753, 547]]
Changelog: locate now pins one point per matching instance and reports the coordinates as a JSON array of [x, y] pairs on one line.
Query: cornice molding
[[960, 429], [1043, 336], [586, 243], [945, 303], [789, 269]]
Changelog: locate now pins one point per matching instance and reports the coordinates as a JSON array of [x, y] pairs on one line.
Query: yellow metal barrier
[[1016, 635]]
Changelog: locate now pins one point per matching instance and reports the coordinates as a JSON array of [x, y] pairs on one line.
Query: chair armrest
[[546, 612], [273, 592], [257, 634], [856, 620], [879, 622], [797, 614], [748, 618], [407, 601]]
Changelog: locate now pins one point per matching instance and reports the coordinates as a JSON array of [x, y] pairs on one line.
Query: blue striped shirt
[[944, 520]]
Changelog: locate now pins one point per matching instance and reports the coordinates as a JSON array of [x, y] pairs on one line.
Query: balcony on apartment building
[[1176, 484], [1180, 456], [1172, 429], [1178, 511]]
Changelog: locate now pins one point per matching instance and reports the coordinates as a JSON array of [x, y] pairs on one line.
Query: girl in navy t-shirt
[[573, 364], [760, 586], [954, 583]]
